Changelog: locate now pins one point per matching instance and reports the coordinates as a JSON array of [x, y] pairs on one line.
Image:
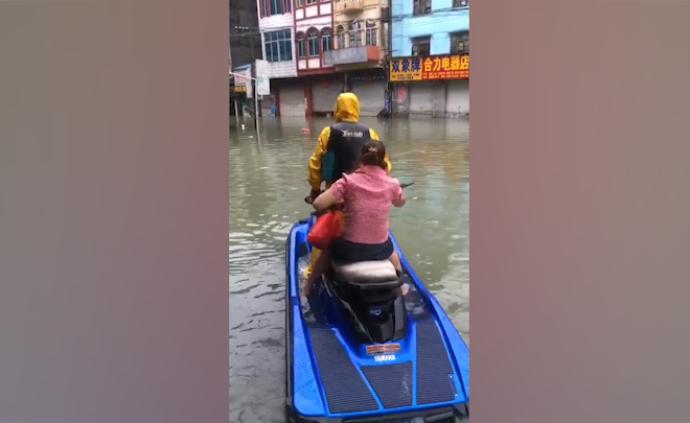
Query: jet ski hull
[[332, 377]]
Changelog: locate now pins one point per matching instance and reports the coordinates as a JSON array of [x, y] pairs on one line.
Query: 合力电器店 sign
[[452, 66]]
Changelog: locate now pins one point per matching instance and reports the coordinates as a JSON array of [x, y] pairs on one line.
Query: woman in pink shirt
[[368, 195]]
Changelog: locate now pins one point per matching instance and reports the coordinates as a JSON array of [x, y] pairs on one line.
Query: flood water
[[267, 188]]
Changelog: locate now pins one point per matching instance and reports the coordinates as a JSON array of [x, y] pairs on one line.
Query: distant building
[[245, 45], [306, 65], [313, 35], [430, 66], [244, 33], [276, 22], [360, 42], [277, 32], [314, 40]]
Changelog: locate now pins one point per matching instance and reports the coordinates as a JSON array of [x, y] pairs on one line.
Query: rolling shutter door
[[291, 99], [371, 95], [458, 98], [421, 98], [324, 94]]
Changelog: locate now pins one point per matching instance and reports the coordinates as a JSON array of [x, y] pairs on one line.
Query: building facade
[[359, 50], [316, 49], [429, 67], [245, 46], [314, 38], [276, 26]]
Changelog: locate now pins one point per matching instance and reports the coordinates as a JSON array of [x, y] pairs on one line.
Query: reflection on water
[[267, 187]]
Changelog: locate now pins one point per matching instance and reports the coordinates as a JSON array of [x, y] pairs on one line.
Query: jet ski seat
[[367, 275]]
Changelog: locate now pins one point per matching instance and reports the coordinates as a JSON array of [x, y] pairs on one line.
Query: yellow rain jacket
[[346, 110]]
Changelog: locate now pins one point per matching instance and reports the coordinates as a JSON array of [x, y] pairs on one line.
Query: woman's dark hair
[[374, 154]]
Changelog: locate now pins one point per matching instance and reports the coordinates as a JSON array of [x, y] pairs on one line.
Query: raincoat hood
[[347, 108]]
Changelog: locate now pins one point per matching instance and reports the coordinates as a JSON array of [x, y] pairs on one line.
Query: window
[[301, 52], [421, 7], [326, 39], [278, 46], [355, 34], [340, 34], [311, 1], [298, 3], [460, 42], [421, 46], [371, 32], [461, 3], [313, 37], [276, 7]]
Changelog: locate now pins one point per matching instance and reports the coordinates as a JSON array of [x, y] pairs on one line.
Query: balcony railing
[[345, 6]]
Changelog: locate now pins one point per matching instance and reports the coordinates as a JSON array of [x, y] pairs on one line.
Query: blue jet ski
[[360, 352]]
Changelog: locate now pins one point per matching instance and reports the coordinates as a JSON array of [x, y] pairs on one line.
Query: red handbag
[[327, 228]]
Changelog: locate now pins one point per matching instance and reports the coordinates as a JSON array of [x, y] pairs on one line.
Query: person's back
[[339, 145], [345, 145], [368, 195]]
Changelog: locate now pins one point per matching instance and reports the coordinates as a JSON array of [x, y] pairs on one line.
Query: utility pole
[[389, 56], [253, 82]]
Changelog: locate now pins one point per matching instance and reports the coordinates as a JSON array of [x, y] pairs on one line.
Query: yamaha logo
[[387, 357], [382, 349]]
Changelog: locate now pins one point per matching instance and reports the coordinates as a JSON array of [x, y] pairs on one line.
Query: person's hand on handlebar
[[312, 196]]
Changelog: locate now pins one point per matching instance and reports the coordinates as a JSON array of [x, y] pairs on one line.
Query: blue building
[[430, 27], [435, 36]]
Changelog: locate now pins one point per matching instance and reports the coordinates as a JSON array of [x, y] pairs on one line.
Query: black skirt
[[346, 252]]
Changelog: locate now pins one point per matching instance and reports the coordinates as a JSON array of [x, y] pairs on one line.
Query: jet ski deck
[[332, 376]]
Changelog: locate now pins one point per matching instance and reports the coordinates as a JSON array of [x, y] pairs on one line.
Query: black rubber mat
[[433, 366], [392, 384], [346, 391]]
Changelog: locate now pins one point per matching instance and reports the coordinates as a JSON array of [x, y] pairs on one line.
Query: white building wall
[[319, 23], [287, 69]]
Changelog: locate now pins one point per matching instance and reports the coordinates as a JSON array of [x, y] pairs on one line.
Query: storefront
[[370, 90], [242, 83], [291, 99], [433, 86], [421, 95], [238, 100], [324, 93], [458, 98]]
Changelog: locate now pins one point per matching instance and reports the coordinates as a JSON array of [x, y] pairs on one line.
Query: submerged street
[[267, 186]]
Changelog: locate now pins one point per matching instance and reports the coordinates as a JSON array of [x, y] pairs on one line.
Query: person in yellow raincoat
[[337, 150]]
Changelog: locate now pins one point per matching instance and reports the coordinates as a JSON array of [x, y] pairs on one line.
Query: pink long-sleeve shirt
[[368, 194]]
